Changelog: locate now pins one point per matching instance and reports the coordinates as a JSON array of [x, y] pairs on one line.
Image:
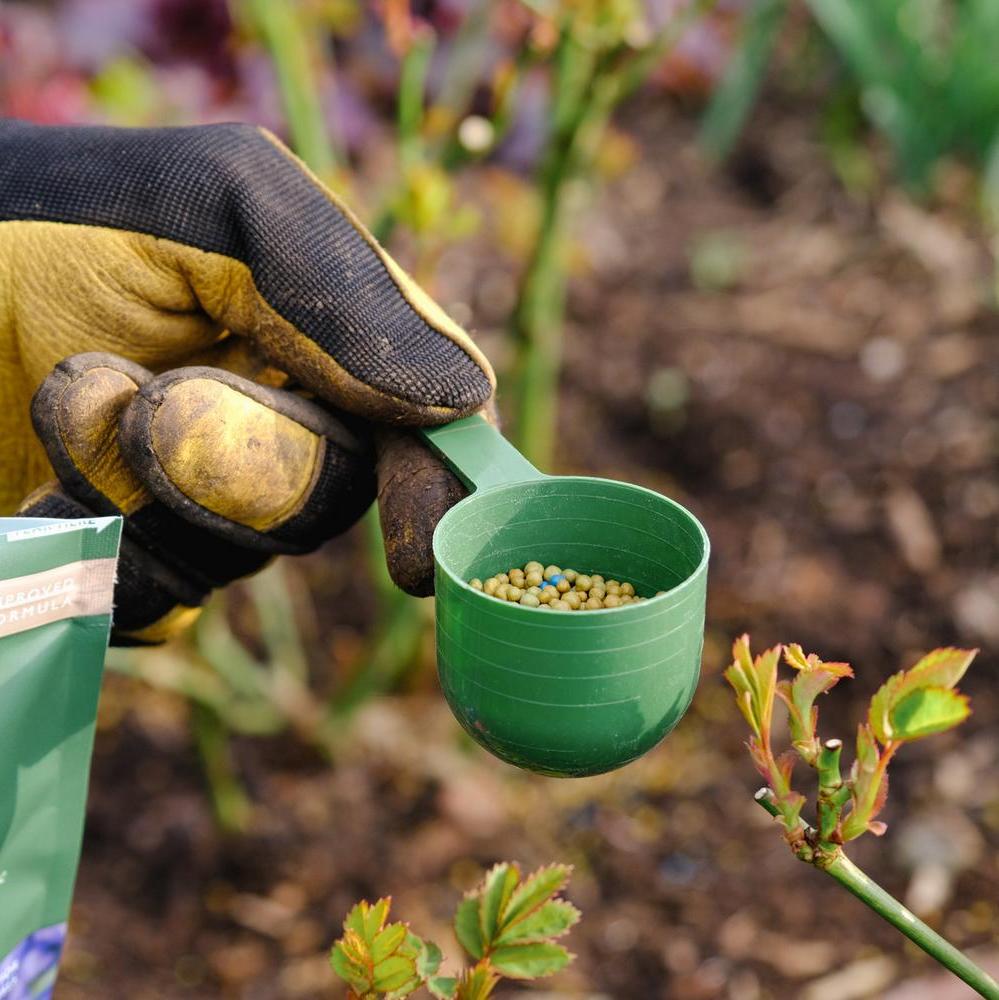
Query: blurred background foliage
[[656, 187], [392, 104]]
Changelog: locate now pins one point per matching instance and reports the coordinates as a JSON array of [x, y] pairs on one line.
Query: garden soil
[[816, 376]]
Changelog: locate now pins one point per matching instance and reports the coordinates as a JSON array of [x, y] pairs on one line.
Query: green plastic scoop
[[564, 693]]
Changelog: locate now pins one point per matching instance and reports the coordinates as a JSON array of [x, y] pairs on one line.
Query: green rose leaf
[[530, 961], [942, 669], [535, 890], [429, 957], [550, 920], [495, 895], [467, 927], [926, 711], [443, 987]]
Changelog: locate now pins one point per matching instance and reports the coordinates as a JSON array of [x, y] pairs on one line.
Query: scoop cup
[[566, 694]]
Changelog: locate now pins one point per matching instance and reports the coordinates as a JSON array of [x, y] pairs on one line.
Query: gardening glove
[[216, 349]]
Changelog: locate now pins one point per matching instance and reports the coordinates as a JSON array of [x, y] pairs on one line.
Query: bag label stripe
[[74, 590]]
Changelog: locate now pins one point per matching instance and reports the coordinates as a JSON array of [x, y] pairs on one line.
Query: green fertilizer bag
[[56, 582]]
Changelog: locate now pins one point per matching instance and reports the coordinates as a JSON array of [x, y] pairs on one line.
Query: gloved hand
[[162, 291]]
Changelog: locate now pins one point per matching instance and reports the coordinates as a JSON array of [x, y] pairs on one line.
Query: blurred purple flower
[[526, 138], [349, 116], [92, 32], [256, 98]]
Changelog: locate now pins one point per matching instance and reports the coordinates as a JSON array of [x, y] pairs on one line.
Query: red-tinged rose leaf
[[802, 727], [926, 711], [803, 716], [785, 764], [744, 695], [354, 949], [880, 797], [814, 677], [378, 959], [742, 676], [759, 758], [477, 984], [748, 708], [809, 685], [755, 684], [348, 962], [868, 785], [765, 666], [868, 754], [794, 656], [368, 919], [741, 654], [943, 667]]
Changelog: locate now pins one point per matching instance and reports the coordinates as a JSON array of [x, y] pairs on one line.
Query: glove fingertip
[[415, 490], [74, 413]]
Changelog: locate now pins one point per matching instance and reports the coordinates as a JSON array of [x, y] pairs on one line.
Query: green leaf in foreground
[[378, 959], [505, 911]]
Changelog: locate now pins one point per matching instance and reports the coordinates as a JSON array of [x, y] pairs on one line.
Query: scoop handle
[[478, 454]]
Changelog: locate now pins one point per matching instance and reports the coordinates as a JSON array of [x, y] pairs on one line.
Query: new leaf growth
[[914, 703], [507, 924]]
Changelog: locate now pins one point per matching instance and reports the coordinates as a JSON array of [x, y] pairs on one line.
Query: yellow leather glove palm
[[160, 292]]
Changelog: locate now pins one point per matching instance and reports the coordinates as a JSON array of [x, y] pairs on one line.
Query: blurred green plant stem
[[597, 65], [292, 52]]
